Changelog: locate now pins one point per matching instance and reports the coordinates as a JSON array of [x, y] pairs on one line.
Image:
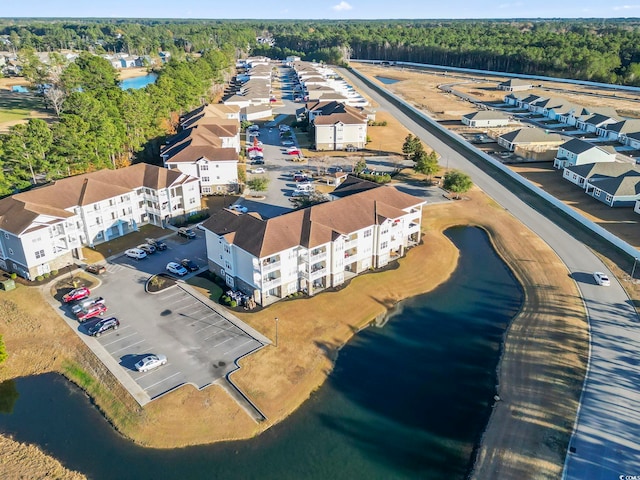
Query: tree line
[[97, 124]]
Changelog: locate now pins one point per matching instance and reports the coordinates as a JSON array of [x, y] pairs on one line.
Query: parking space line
[[222, 343], [121, 338], [241, 345], [163, 380], [204, 328], [211, 336], [128, 346]]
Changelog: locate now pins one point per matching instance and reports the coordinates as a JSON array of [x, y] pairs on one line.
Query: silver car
[[150, 362]]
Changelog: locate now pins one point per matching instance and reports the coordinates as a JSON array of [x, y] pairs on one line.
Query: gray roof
[[577, 146], [625, 126], [530, 135], [602, 169], [627, 185], [515, 82], [487, 115]]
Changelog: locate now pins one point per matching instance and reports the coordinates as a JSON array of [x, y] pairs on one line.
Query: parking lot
[[200, 339]]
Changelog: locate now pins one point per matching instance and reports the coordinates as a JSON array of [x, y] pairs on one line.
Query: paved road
[[605, 444]]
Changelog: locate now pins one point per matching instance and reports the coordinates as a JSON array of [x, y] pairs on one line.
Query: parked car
[[189, 265], [96, 269], [238, 208], [258, 170], [136, 253], [103, 325], [150, 362], [86, 303], [148, 248], [159, 244], [602, 279], [176, 269], [257, 161], [287, 143], [90, 312], [294, 152], [186, 232], [351, 148], [76, 294], [284, 128]]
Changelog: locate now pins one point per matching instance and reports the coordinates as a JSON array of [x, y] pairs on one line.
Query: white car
[[136, 253], [238, 208], [601, 279], [150, 362], [176, 269], [287, 143], [258, 170]]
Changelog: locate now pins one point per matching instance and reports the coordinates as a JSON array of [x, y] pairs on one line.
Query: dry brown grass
[[22, 461]]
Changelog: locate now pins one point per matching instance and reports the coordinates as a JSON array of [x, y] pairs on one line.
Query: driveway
[[201, 340]]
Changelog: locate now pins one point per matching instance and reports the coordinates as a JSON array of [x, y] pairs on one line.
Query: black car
[[189, 265], [257, 161], [159, 244], [102, 326], [186, 232]]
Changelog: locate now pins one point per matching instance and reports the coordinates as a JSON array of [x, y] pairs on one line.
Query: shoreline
[[177, 419]]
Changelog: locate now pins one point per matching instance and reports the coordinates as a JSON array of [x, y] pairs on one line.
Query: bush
[[54, 272], [13, 276], [233, 304], [3, 350], [47, 275], [39, 278]]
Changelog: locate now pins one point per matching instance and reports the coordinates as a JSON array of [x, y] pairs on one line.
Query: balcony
[[352, 252], [318, 273], [317, 256], [270, 266], [271, 282]]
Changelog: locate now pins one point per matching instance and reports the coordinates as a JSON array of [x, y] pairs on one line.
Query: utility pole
[[276, 331]]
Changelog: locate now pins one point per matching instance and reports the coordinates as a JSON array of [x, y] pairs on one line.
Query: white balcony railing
[[270, 267], [270, 282], [321, 272]]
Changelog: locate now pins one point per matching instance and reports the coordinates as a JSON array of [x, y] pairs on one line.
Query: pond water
[[387, 80], [138, 82], [409, 400]]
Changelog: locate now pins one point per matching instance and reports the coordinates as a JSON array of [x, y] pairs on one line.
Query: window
[[609, 198], [204, 167], [40, 254], [227, 249], [227, 265], [98, 220], [385, 231], [597, 192], [6, 235], [217, 166], [192, 201], [367, 233], [11, 253], [205, 179], [206, 189], [384, 245]]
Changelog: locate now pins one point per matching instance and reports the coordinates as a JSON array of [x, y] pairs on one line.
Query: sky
[[322, 9]]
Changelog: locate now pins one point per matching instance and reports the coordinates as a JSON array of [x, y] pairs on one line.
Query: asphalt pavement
[[605, 444]]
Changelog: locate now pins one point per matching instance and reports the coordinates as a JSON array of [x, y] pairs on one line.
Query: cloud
[[342, 6], [626, 7]]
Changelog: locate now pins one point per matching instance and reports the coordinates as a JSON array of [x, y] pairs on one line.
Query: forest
[[97, 125]]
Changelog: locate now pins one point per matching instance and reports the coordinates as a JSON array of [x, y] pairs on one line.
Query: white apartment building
[[316, 248], [44, 229]]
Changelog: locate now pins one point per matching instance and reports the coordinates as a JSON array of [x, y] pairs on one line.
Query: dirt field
[[421, 88]]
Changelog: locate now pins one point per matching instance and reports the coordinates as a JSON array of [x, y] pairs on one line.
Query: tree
[[411, 145], [307, 200], [258, 184], [426, 163], [457, 182], [360, 166]]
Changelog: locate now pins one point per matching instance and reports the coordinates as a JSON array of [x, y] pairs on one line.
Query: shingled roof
[[57, 200], [311, 226]]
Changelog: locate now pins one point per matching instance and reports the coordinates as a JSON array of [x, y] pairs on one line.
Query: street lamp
[[276, 332]]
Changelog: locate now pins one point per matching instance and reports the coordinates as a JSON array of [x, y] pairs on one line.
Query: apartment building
[[45, 228], [316, 248]]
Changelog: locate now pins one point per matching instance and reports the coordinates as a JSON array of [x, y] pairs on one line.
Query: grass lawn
[[206, 286], [19, 106]]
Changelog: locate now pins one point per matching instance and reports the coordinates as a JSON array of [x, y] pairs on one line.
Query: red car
[[294, 152], [91, 311], [76, 294]]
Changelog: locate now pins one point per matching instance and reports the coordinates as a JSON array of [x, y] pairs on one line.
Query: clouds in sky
[[342, 7]]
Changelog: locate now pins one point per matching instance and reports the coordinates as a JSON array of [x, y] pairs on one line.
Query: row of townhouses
[[251, 89], [45, 228], [207, 148], [365, 226]]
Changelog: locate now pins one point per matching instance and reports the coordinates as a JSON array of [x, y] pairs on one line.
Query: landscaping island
[[537, 379]]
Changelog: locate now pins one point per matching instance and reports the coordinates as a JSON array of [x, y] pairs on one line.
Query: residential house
[[579, 152], [486, 118], [515, 85], [337, 126], [618, 131], [620, 191], [529, 137], [595, 122], [256, 112], [315, 248], [581, 174], [45, 228]]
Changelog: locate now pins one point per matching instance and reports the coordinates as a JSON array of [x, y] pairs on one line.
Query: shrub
[[46, 275], [13, 276], [54, 272], [39, 278], [233, 304], [3, 350]]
